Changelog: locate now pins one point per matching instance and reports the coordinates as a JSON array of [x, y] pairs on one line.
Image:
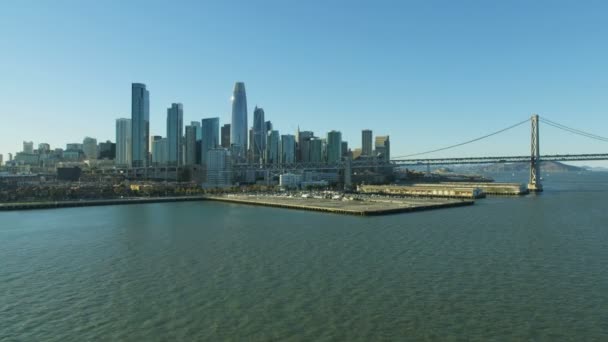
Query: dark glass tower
[[259, 135], [175, 132], [140, 125]]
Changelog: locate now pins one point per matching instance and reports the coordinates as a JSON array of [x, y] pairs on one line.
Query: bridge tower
[[535, 180]]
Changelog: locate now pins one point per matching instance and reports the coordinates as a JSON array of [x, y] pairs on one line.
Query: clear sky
[[428, 73]]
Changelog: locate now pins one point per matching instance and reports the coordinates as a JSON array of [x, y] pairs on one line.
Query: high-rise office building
[[106, 150], [199, 129], [334, 147], [211, 131], [1, 160], [190, 144], [366, 142], [175, 132], [28, 147], [302, 147], [288, 149], [344, 148], [219, 168], [238, 128], [259, 135], [160, 151], [268, 126], [316, 150], [272, 147], [89, 147], [226, 136], [140, 125], [250, 151], [123, 142], [383, 147]]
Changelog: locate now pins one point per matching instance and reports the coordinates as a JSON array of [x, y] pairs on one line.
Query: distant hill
[[596, 168], [546, 166]]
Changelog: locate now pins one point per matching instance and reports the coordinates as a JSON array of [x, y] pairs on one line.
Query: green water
[[523, 269]]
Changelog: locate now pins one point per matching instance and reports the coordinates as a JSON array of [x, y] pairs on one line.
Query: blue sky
[[429, 73]]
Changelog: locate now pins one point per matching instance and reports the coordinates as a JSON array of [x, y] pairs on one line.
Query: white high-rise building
[[89, 147], [123, 142], [28, 147]]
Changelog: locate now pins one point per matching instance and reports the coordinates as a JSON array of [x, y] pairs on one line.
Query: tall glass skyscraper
[[366, 142], [272, 147], [190, 144], [140, 125], [259, 135], [334, 147], [211, 137], [225, 137], [238, 128], [288, 149], [175, 132], [199, 131]]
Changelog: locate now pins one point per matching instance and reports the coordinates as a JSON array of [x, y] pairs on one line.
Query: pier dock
[[370, 207]]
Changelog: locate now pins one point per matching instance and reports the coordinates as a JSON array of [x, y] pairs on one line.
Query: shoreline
[[366, 208], [92, 203]]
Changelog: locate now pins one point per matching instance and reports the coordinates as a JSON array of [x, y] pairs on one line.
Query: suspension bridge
[[534, 158]]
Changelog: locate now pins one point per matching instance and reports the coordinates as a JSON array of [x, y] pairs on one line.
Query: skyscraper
[[190, 144], [272, 147], [383, 147], [199, 130], [344, 148], [140, 125], [302, 148], [211, 131], [238, 128], [219, 167], [366, 142], [334, 147], [89, 147], [175, 132], [288, 149], [123, 142], [159, 151], [259, 135], [316, 150], [226, 136]]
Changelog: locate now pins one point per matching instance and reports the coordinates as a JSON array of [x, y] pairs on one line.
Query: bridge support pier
[[535, 184]]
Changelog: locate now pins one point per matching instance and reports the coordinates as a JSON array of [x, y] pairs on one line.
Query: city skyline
[[493, 77]]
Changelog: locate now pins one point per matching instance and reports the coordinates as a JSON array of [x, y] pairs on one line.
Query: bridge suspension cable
[[464, 143], [573, 130]]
